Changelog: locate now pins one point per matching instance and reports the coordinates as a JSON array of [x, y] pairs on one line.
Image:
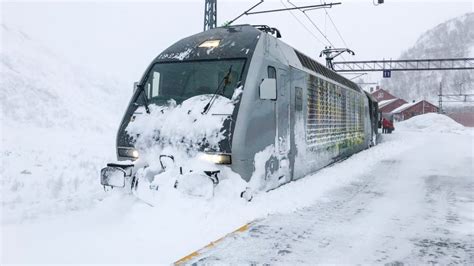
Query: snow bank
[[50, 171], [58, 126], [431, 122]]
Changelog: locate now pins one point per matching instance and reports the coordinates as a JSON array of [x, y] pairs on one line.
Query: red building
[[382, 95], [388, 106], [412, 109], [465, 119]]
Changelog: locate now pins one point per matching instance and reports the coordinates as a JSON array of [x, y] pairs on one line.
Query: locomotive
[[237, 101]]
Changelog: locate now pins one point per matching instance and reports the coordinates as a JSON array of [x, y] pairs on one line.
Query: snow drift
[[431, 122], [58, 128]]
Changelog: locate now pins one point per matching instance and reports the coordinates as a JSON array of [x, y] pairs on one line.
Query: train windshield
[[182, 80]]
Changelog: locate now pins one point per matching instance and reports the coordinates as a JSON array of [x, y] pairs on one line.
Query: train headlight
[[135, 154], [128, 153], [217, 158], [210, 44]]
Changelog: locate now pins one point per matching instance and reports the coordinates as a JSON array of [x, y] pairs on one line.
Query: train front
[[177, 130]]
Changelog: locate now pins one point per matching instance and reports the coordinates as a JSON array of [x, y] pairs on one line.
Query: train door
[[283, 124]]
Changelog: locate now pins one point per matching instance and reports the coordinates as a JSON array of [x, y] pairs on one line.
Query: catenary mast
[[210, 14]]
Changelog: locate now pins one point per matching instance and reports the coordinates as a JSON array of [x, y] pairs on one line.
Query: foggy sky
[[121, 38]]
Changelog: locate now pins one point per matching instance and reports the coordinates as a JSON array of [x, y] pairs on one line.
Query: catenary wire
[[302, 24], [317, 28], [335, 27], [314, 24]]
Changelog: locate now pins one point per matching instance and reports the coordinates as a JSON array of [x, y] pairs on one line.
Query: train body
[[261, 109]]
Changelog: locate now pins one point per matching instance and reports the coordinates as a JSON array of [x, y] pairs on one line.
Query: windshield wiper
[[145, 98], [226, 82]]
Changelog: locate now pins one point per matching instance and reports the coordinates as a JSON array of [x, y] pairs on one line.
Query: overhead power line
[[312, 22], [303, 25], [335, 27], [316, 27], [250, 12]]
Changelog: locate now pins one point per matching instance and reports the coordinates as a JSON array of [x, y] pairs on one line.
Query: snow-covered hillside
[[451, 39], [58, 124], [41, 89]]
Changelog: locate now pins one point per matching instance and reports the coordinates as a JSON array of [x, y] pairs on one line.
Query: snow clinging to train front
[[183, 131], [183, 126]]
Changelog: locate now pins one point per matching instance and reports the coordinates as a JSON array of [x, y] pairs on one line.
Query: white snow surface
[[404, 107], [117, 228], [47, 171], [57, 129], [41, 89], [180, 131], [183, 124], [386, 102], [412, 208], [432, 122]]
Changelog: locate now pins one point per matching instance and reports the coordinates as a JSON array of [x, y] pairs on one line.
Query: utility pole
[[440, 101], [210, 14]]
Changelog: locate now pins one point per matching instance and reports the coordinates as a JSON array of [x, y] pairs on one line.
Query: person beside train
[[387, 126]]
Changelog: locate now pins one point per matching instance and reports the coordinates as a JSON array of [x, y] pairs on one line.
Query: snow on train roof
[[237, 41], [224, 42]]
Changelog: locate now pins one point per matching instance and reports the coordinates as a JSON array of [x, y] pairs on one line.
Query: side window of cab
[[271, 72], [268, 87]]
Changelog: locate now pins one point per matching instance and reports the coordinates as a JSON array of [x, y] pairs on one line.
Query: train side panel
[[314, 122], [331, 122]]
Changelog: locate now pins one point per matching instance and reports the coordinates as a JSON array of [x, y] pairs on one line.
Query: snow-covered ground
[[408, 199], [414, 206], [57, 124]]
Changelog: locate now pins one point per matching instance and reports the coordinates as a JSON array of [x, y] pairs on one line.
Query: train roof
[[237, 41], [313, 65], [232, 42], [371, 97]]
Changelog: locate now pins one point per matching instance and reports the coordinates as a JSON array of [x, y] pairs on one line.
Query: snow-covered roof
[[386, 102], [405, 106]]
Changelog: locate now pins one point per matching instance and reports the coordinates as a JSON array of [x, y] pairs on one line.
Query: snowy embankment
[[58, 125], [123, 229]]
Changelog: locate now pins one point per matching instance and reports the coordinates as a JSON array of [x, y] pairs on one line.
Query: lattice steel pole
[[440, 101], [210, 14]]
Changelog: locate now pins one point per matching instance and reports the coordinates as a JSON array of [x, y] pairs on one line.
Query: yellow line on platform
[[189, 257]]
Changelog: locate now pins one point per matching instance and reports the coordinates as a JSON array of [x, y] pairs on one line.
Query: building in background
[[464, 118], [381, 95], [387, 106], [412, 109], [394, 108]]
